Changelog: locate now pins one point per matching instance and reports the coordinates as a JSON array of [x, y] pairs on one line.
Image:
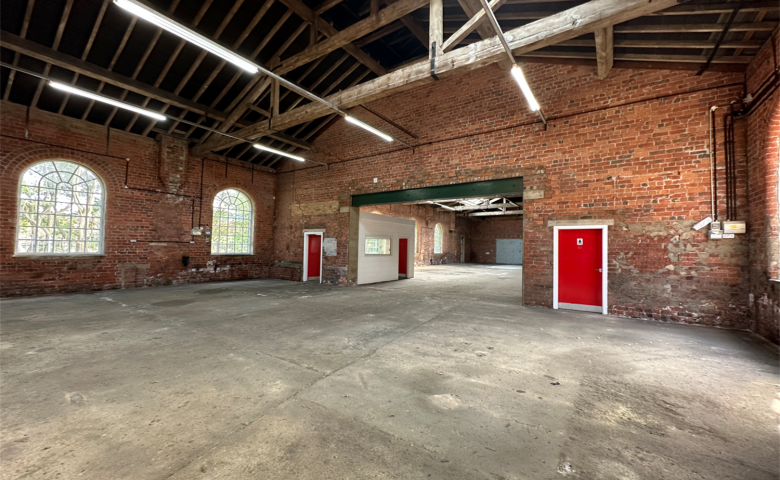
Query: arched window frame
[[101, 213], [216, 227], [438, 239]]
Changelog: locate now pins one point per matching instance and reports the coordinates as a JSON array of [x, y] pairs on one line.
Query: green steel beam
[[504, 186]]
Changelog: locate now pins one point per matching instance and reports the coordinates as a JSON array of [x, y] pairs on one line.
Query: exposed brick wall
[[764, 227], [155, 220], [632, 148], [484, 231]]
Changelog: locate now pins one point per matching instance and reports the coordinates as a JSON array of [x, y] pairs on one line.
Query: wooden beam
[[565, 25], [290, 140], [87, 49], [274, 98], [605, 51], [45, 54], [308, 15], [697, 27], [22, 34], [350, 34], [436, 29], [373, 8], [382, 32], [327, 6], [475, 21], [56, 45]]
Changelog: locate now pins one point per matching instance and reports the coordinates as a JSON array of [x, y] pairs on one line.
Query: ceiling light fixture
[[529, 96], [368, 127], [279, 152], [110, 101], [140, 10]]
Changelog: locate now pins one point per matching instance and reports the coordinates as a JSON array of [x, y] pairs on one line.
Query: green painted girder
[[504, 187]]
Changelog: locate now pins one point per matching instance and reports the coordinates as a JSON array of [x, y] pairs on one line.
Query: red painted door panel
[[402, 252], [579, 262], [314, 255]]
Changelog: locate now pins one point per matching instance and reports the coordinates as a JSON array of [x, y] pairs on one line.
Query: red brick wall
[[484, 231], [130, 214], [763, 152], [632, 148]]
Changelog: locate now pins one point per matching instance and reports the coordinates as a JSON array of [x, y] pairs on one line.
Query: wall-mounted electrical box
[[734, 227]]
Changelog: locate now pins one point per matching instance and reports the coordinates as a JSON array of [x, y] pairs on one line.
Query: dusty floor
[[445, 376]]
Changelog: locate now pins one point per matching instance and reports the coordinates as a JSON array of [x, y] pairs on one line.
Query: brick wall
[[763, 152], [632, 148], [484, 231], [155, 220]]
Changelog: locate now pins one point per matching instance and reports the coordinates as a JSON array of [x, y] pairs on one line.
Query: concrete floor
[[445, 376]]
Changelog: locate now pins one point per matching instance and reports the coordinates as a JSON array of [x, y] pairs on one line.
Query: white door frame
[[306, 254], [604, 250]]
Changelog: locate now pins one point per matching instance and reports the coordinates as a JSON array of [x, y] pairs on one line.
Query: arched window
[[438, 239], [61, 208], [232, 223]]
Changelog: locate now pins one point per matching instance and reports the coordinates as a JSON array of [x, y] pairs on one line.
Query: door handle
[[598, 269]]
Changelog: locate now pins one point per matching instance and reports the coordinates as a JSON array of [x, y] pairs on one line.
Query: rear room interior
[[453, 239]]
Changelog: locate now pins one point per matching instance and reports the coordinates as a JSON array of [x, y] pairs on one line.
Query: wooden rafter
[[527, 38], [57, 39], [311, 17], [350, 34], [169, 64], [22, 34], [138, 67], [59, 59], [87, 49]]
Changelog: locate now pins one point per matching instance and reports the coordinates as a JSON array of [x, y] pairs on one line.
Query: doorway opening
[[580, 268], [312, 257]]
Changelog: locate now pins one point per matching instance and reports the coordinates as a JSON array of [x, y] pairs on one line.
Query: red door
[[402, 253], [579, 267], [313, 267]]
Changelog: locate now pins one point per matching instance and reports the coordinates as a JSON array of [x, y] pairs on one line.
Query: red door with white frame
[[313, 265], [580, 269], [403, 251]]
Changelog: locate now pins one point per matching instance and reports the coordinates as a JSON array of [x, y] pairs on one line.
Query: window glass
[[60, 210], [377, 246], [438, 239], [231, 231]]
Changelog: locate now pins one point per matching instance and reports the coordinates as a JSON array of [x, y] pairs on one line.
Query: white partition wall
[[383, 230]]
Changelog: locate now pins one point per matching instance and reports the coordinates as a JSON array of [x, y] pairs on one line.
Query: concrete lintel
[[313, 230], [587, 221]]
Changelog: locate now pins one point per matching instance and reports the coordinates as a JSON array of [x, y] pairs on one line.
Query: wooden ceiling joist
[[22, 34], [605, 51], [565, 25], [48, 55]]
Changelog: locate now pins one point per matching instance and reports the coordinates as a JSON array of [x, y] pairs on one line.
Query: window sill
[[774, 279], [232, 254], [59, 255]]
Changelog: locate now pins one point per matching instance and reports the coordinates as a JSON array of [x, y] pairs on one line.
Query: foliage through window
[[377, 246], [60, 210], [232, 223], [438, 239]]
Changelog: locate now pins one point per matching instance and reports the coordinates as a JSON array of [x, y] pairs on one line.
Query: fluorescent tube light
[[529, 96], [368, 127], [110, 101], [279, 152], [144, 12]]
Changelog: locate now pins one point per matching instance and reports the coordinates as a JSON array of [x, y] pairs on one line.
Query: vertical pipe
[[127, 171], [200, 209], [713, 183]]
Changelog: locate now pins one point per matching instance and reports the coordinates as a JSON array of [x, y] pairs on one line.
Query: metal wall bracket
[[433, 61]]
